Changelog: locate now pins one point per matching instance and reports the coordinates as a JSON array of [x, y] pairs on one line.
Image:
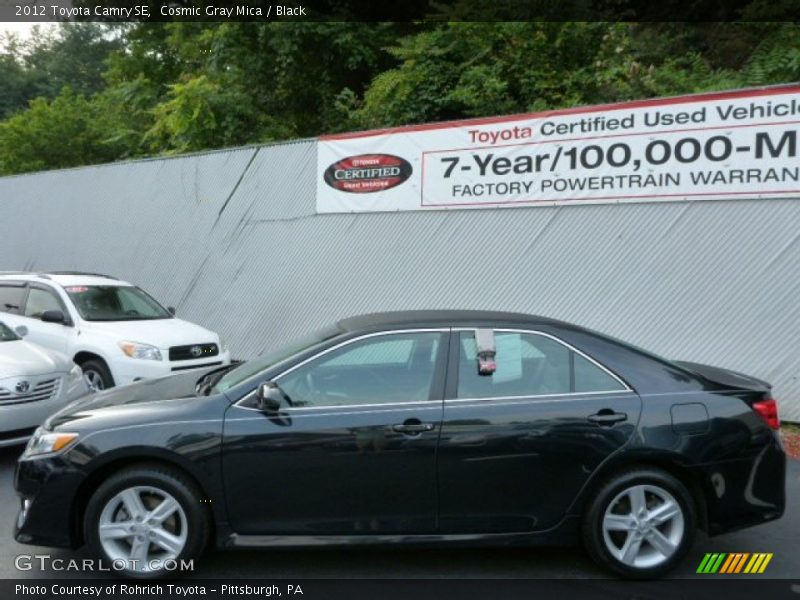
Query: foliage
[[90, 93], [64, 132]]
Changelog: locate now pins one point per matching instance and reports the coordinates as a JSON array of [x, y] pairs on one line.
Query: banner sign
[[741, 144]]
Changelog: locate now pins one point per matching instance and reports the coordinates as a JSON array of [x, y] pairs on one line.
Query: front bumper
[[48, 488], [128, 370], [17, 421]]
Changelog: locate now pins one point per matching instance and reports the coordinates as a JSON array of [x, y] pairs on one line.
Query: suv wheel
[[640, 524], [97, 375], [143, 521]]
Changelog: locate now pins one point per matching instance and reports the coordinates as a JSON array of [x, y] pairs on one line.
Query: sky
[[22, 29]]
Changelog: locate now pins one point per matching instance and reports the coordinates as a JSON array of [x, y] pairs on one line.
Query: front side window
[[385, 369], [6, 334], [115, 303], [11, 297], [529, 365], [40, 300]]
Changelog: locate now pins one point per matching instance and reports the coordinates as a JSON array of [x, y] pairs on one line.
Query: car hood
[[144, 400], [24, 358], [161, 333]]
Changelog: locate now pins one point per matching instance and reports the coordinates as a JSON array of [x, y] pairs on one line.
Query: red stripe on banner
[[770, 91]]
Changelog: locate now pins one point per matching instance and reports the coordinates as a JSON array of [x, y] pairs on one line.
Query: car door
[[354, 449], [517, 446], [55, 336]]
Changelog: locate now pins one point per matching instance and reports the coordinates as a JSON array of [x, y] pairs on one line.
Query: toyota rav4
[[115, 331]]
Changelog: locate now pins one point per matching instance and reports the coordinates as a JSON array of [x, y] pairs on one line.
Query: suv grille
[[193, 352], [44, 390]]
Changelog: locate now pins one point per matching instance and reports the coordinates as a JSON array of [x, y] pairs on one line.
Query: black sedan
[[415, 427]]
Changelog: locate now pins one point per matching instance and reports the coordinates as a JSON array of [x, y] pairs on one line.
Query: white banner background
[[739, 144]]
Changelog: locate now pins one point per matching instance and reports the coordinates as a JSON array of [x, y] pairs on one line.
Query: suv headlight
[[143, 351], [48, 443]]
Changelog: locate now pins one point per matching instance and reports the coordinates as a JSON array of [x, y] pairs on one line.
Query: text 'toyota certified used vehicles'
[[34, 383], [419, 427], [115, 331]]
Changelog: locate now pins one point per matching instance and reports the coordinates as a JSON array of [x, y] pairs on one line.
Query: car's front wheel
[[97, 375], [146, 522], [640, 524]]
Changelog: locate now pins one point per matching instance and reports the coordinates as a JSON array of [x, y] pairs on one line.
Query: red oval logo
[[367, 173]]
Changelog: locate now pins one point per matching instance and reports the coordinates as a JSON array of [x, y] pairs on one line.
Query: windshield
[[250, 368], [115, 303], [6, 335]]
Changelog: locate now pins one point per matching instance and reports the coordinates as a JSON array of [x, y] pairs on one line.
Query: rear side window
[[529, 365], [39, 301], [11, 297]]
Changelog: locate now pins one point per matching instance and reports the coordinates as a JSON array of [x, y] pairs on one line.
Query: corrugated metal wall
[[231, 239]]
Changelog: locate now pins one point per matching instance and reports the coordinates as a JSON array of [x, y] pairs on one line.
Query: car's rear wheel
[[145, 521], [97, 375], [640, 524]]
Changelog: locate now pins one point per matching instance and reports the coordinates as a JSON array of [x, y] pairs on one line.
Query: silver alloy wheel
[[142, 527], [94, 380], [643, 526]]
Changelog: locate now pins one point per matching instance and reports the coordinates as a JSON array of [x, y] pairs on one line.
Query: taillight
[[768, 410]]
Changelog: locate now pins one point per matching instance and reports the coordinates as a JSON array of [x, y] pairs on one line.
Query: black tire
[[593, 534], [163, 478], [98, 368]]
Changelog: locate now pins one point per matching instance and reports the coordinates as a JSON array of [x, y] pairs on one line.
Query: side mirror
[[22, 331], [269, 397], [171, 310], [53, 316]]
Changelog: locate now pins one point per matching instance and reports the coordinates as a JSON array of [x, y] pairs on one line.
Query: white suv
[[115, 331]]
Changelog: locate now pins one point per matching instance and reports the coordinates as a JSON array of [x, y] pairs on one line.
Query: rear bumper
[[746, 492]]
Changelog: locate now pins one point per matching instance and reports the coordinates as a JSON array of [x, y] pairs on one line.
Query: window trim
[[35, 285], [456, 335], [443, 349]]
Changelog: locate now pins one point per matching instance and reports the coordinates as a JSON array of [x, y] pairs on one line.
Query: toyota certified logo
[[367, 173], [196, 351], [22, 387]]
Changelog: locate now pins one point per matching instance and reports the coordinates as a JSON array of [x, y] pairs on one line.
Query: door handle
[[607, 417], [413, 427]]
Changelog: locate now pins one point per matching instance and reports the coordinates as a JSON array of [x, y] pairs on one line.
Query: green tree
[[64, 132], [72, 55]]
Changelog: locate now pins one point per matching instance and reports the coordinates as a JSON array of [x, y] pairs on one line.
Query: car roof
[[63, 278], [422, 318]]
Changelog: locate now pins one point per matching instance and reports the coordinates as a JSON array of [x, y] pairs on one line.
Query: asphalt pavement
[[779, 537]]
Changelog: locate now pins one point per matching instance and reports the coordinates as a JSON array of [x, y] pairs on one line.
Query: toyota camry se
[[433, 427]]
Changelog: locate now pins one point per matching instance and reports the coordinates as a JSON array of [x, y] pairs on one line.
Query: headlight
[[75, 373], [48, 443], [143, 351]]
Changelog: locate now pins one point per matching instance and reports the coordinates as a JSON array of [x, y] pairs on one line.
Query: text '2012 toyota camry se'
[[414, 427]]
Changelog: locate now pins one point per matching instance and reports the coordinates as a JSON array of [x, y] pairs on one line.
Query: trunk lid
[[726, 378]]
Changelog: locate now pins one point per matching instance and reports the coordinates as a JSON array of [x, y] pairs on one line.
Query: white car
[[115, 331], [34, 383]]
